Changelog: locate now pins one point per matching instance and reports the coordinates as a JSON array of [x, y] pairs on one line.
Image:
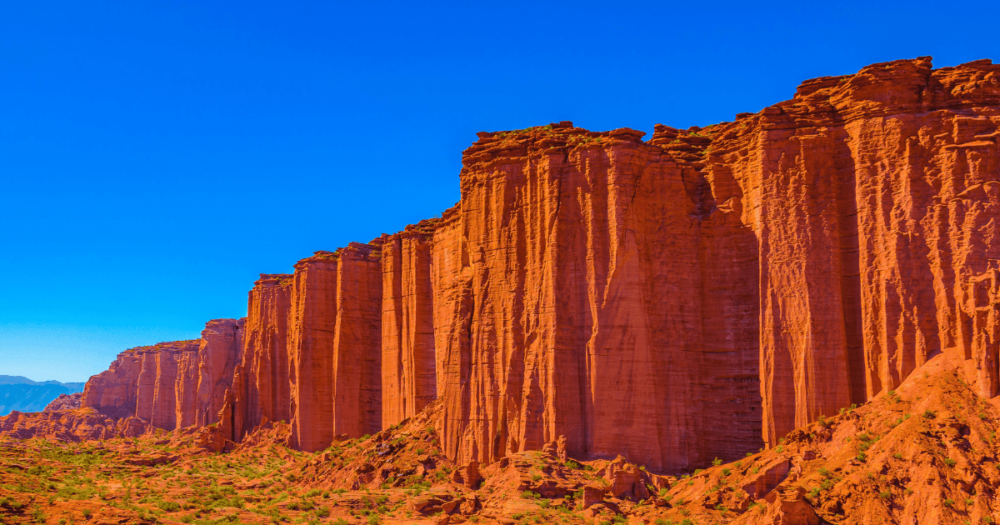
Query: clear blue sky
[[156, 156]]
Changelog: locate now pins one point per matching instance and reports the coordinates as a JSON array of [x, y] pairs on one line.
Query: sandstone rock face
[[219, 351], [140, 383], [186, 387], [113, 391], [170, 385], [335, 346], [586, 304], [693, 296], [408, 367], [70, 425], [872, 197], [65, 402], [260, 387]]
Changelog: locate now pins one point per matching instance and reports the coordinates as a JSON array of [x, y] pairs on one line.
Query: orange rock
[[870, 197], [219, 351], [260, 389], [335, 346], [614, 296], [171, 385], [579, 295], [70, 425], [141, 383], [408, 367], [65, 402]]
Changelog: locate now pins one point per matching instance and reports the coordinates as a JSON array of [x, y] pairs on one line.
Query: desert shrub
[[168, 506]]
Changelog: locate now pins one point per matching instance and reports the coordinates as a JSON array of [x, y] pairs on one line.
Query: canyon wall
[[585, 305], [260, 386], [335, 346], [408, 367], [170, 385], [873, 199], [692, 296]]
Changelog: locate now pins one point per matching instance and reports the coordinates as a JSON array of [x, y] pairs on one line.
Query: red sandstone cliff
[[260, 386], [873, 197], [70, 425], [65, 402], [630, 297], [220, 350], [594, 296], [408, 367], [335, 346], [170, 385], [141, 383]]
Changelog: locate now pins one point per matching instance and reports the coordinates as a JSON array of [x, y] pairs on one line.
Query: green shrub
[[168, 506]]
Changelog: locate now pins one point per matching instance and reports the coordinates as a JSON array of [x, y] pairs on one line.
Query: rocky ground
[[924, 453]]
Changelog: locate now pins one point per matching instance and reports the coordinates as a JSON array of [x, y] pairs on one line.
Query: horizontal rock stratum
[[693, 296]]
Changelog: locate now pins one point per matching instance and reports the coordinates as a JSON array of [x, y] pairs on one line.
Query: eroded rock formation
[[335, 346], [260, 387], [587, 267], [873, 199], [408, 366], [65, 402], [621, 296], [170, 385], [70, 425]]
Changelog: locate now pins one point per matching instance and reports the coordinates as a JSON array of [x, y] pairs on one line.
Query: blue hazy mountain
[[24, 395]]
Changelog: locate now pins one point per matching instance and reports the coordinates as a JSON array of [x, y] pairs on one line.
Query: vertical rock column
[[408, 375], [805, 366], [928, 194], [156, 394], [220, 350], [186, 388], [570, 302], [335, 346], [312, 327], [260, 390], [451, 281], [357, 347]]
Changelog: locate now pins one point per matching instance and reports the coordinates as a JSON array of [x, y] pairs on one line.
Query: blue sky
[[155, 157]]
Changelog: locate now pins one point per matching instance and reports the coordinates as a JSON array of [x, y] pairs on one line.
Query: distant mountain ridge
[[21, 380], [24, 395]]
